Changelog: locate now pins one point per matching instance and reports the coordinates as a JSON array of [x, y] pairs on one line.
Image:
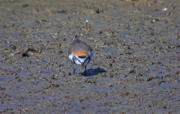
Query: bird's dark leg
[[73, 65], [85, 69], [73, 68]]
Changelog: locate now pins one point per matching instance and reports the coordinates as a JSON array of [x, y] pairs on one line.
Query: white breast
[[79, 61]]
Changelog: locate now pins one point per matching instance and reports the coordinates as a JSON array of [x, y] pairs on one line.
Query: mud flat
[[135, 69]]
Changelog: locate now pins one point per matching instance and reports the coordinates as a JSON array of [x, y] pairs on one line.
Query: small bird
[[80, 53]]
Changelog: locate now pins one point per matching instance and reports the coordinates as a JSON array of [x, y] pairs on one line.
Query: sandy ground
[[135, 69]]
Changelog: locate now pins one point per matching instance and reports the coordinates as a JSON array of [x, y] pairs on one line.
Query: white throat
[[80, 61]]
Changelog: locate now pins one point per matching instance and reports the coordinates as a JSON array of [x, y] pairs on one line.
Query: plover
[[80, 53]]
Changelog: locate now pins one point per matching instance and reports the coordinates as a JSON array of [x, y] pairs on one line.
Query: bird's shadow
[[93, 71]]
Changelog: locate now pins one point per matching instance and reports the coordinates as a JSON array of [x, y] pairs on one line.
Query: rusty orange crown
[[80, 53]]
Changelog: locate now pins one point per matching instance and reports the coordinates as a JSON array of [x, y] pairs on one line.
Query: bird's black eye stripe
[[87, 59], [74, 58]]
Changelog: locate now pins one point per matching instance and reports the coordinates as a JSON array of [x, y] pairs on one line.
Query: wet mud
[[135, 69]]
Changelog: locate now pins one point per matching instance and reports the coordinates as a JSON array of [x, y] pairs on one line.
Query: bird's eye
[[82, 57]]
